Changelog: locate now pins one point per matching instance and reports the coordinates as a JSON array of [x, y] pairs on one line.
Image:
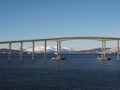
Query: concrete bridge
[[58, 41]]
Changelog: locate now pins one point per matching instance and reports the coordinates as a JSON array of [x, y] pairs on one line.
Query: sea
[[76, 72]]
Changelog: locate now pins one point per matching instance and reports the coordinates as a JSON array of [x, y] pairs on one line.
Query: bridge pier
[[118, 50], [33, 51], [21, 51], [58, 56], [58, 49], [45, 45], [103, 49], [9, 53], [103, 52]]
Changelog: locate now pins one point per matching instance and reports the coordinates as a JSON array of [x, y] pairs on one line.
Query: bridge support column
[[58, 57], [9, 53], [21, 51], [45, 43], [33, 46], [103, 49], [118, 50], [58, 49], [103, 52]]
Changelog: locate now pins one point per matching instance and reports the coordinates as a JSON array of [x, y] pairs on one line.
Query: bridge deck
[[63, 39]]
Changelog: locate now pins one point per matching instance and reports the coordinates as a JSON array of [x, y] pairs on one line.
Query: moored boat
[[103, 58], [58, 58]]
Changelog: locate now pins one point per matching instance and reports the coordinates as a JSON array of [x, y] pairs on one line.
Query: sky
[[35, 19]]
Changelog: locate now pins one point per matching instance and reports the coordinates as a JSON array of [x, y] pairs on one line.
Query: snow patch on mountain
[[50, 49], [112, 50]]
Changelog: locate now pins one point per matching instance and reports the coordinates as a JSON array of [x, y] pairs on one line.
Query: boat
[[103, 58], [58, 58]]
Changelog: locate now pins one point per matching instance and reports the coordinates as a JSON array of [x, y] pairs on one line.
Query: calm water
[[77, 72]]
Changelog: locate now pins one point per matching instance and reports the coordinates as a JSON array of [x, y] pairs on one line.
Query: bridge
[[58, 41]]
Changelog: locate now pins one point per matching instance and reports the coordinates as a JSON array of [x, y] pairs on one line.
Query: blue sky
[[33, 19]]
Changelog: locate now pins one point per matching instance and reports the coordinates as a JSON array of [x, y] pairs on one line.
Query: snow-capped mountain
[[112, 50], [53, 49], [50, 49]]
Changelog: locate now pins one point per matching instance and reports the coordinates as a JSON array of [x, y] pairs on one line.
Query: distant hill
[[64, 50], [38, 50], [91, 51], [5, 51]]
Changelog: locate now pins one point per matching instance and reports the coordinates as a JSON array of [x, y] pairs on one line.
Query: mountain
[[6, 51], [37, 49], [53, 49], [50, 49], [91, 51], [98, 51], [112, 50]]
